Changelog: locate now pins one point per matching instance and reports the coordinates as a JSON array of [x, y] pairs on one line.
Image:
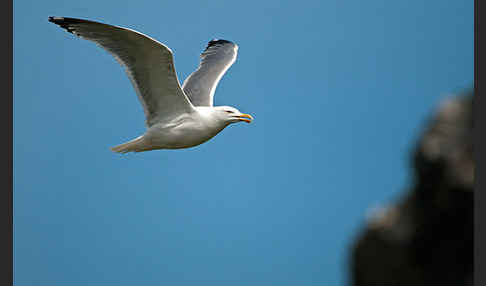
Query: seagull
[[176, 117]]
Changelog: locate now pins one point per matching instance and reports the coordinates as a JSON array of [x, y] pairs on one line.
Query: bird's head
[[232, 115]]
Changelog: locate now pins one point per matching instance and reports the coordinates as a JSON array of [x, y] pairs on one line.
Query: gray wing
[[147, 62], [216, 59]]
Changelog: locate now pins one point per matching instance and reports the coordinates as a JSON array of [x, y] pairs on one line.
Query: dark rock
[[426, 238]]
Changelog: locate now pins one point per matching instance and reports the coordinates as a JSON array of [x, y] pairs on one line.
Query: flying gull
[[176, 117]]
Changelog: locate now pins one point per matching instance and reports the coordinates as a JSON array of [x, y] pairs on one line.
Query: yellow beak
[[245, 117]]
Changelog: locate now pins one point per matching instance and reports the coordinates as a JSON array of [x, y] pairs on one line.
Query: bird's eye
[[229, 111]]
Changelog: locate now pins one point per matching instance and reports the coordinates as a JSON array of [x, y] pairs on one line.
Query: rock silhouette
[[426, 238]]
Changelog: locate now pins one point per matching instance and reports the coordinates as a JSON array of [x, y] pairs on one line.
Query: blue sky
[[339, 91]]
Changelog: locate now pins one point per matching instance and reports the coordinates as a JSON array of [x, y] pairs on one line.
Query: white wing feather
[[216, 59], [147, 62]]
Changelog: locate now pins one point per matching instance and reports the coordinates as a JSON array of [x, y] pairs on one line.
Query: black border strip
[[479, 143], [7, 119]]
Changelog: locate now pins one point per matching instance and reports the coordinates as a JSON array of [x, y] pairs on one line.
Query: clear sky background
[[339, 90]]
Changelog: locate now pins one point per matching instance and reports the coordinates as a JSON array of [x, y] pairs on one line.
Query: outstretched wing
[[216, 59], [148, 63]]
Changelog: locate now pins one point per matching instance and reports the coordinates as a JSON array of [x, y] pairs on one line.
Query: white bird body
[[181, 132], [177, 117]]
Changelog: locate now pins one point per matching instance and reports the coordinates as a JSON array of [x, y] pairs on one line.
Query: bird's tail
[[135, 145]]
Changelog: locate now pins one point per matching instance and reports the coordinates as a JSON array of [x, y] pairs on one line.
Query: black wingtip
[[64, 22], [217, 42], [52, 19]]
